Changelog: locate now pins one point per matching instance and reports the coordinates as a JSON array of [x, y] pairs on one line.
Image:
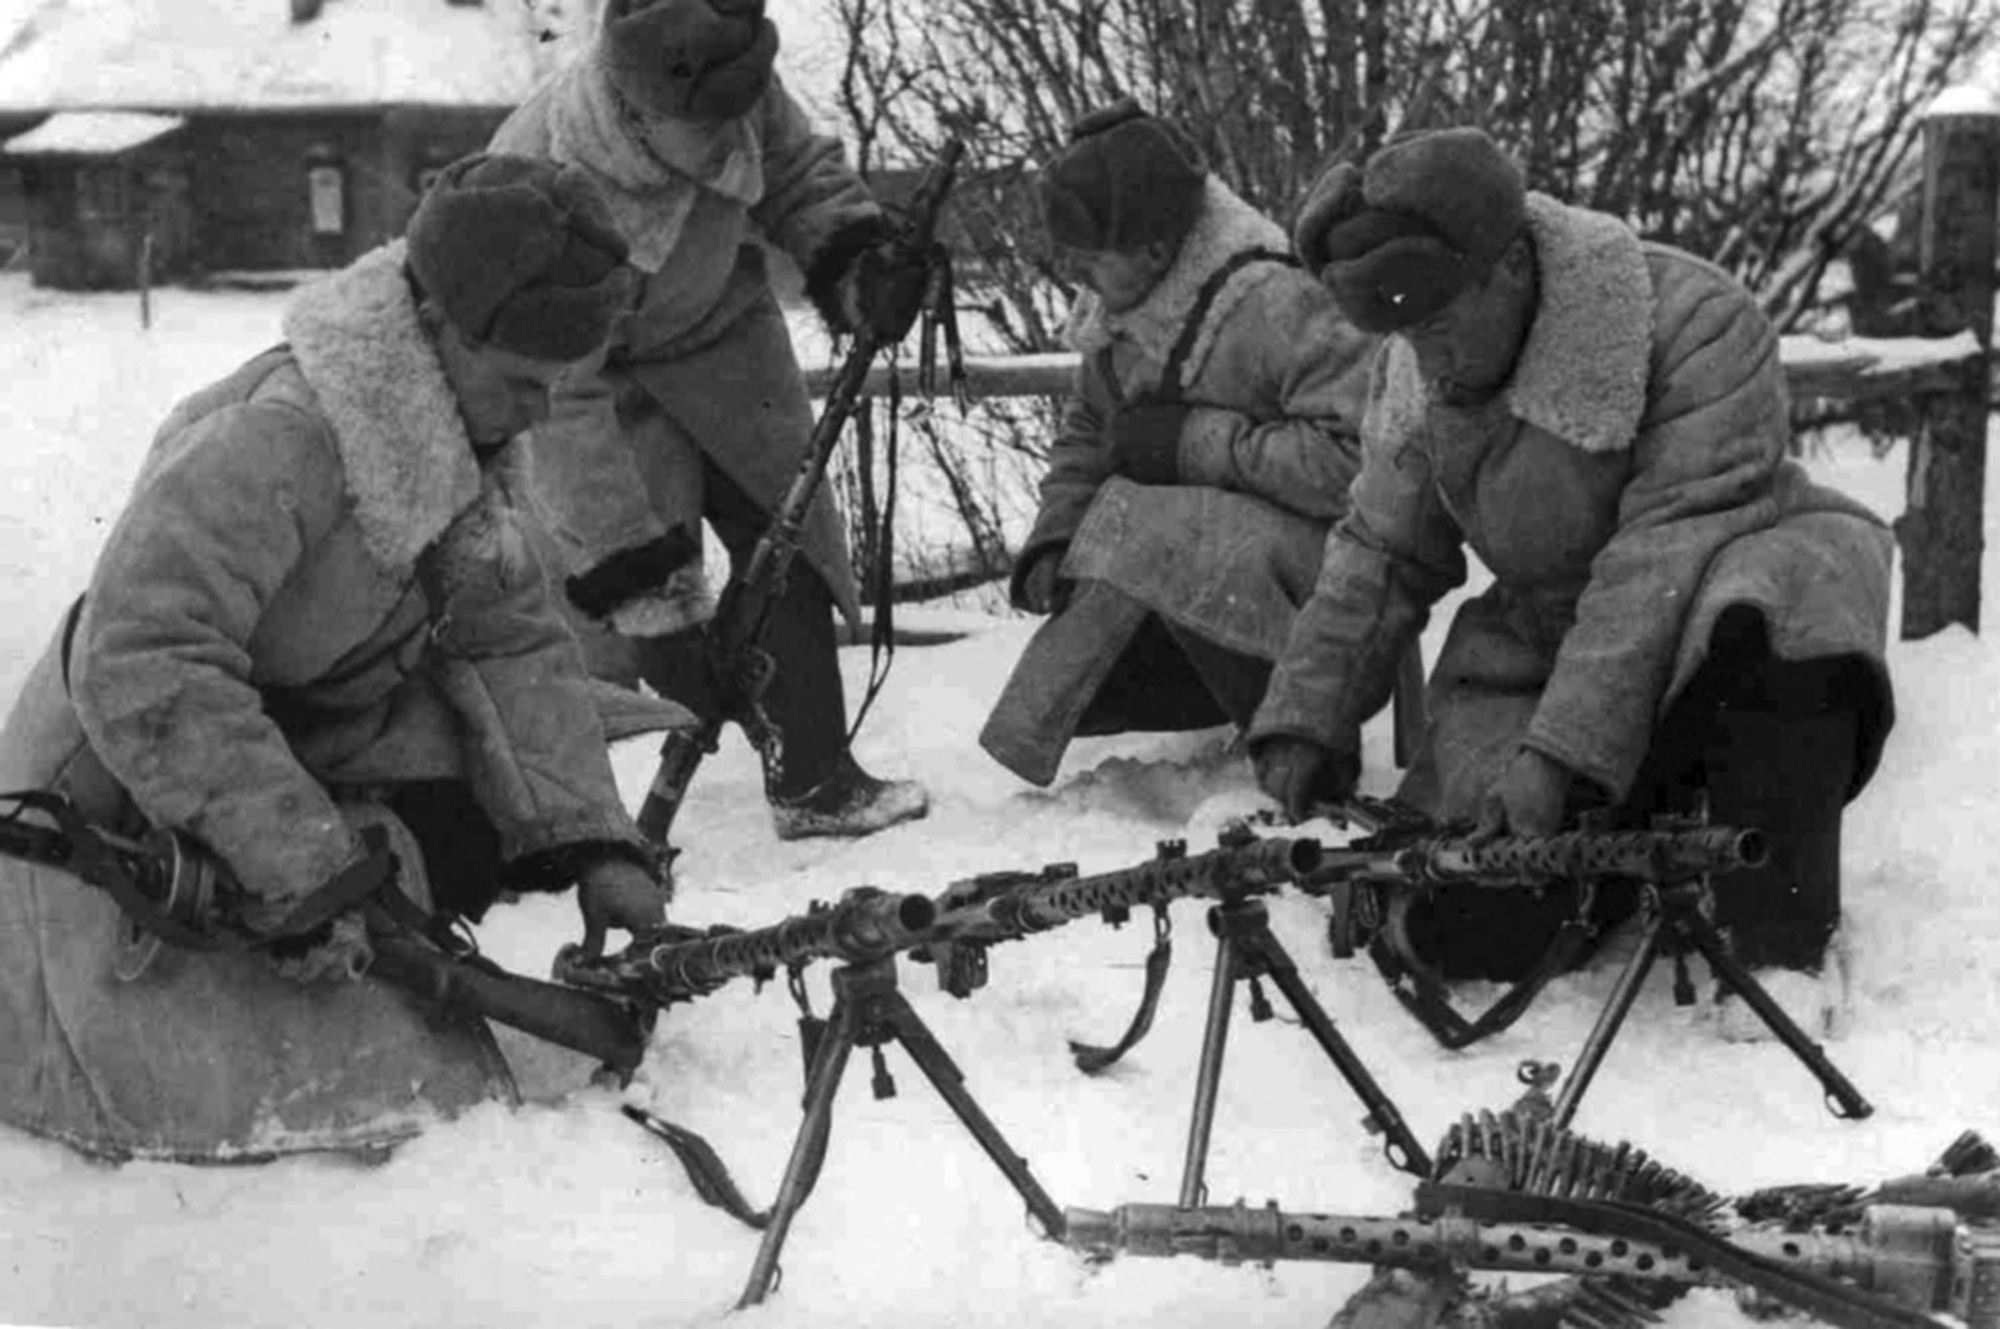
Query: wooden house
[[176, 138]]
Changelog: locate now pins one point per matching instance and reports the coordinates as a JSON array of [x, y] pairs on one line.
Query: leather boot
[[812, 782]]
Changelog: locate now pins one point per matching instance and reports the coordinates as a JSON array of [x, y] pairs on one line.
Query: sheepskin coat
[[311, 592], [704, 363], [1277, 380], [1629, 483]]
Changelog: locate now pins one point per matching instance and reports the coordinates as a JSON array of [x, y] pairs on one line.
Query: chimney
[[305, 11]]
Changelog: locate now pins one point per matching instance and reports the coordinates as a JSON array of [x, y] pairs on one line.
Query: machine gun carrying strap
[[1427, 998], [1090, 1058]]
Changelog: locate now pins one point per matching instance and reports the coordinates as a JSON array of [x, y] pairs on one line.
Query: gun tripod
[[1246, 951], [869, 1011], [1675, 923]]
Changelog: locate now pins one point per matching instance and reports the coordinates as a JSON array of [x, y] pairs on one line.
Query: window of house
[[326, 191]]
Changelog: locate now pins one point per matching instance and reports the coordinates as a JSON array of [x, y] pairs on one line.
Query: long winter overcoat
[[311, 592], [1277, 378], [704, 364], [1629, 483]]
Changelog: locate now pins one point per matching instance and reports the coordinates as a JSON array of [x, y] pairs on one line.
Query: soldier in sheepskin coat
[[1209, 443], [314, 615], [1676, 607], [699, 409]]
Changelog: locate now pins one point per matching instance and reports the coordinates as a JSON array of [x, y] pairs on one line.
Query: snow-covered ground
[[564, 1213]]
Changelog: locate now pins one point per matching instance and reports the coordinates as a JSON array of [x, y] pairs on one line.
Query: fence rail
[[1853, 369]]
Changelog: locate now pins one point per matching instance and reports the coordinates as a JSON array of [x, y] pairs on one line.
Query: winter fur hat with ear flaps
[[1125, 181], [521, 254], [707, 60], [1397, 238]]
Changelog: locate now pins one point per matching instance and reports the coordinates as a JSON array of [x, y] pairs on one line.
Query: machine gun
[[1373, 882], [867, 929], [172, 888], [741, 670], [1518, 1193]]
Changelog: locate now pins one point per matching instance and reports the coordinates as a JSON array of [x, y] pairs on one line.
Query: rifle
[[741, 670], [176, 890]]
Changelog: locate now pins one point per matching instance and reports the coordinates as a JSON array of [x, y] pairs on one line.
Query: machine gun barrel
[[977, 911], [1005, 906], [865, 924], [1658, 856], [1912, 1259]]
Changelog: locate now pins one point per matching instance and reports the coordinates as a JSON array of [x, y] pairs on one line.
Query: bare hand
[[1528, 799], [618, 893]]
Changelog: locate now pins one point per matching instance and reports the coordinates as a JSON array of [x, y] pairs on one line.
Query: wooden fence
[[1950, 374]]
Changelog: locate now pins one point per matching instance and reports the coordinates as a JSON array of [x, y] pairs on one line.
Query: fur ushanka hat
[[1125, 181], [706, 60], [521, 253], [1398, 237]]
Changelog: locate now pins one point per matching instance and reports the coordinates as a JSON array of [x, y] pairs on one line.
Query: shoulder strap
[[1171, 386]]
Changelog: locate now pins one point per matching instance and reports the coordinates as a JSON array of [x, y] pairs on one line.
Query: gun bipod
[[1673, 917], [1246, 951], [869, 1010]]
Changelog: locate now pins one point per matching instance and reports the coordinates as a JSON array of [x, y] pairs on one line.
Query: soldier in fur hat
[[315, 614], [698, 410], [1209, 441], [1676, 608]]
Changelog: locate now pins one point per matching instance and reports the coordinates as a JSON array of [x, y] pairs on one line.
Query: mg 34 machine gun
[[1372, 882], [1518, 1193]]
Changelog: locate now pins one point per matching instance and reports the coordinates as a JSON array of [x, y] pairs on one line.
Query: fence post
[[1942, 530]]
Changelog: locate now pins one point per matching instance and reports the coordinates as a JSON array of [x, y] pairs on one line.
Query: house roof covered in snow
[[90, 134], [171, 55]]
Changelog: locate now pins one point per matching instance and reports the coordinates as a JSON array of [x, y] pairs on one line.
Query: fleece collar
[[1583, 372], [650, 168], [1226, 226], [403, 447]]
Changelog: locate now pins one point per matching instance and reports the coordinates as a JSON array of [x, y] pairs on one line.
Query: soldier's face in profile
[[1121, 278], [1467, 350], [500, 392]]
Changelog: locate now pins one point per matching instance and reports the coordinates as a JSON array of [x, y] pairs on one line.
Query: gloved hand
[[1298, 772], [615, 892], [882, 291], [1043, 588], [335, 951], [1528, 798], [1145, 441]]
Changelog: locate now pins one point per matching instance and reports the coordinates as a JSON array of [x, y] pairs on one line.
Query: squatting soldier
[[698, 410], [315, 615], [1209, 442], [1676, 608]]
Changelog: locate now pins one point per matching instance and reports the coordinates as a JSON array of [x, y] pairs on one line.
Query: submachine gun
[[738, 666], [1372, 882]]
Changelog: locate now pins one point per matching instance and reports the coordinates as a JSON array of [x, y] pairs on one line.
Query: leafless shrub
[[1759, 133]]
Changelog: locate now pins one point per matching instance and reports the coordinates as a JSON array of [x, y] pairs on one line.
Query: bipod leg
[[1843, 1099], [844, 1027], [916, 1038], [1208, 1072], [1610, 1020], [1249, 922]]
